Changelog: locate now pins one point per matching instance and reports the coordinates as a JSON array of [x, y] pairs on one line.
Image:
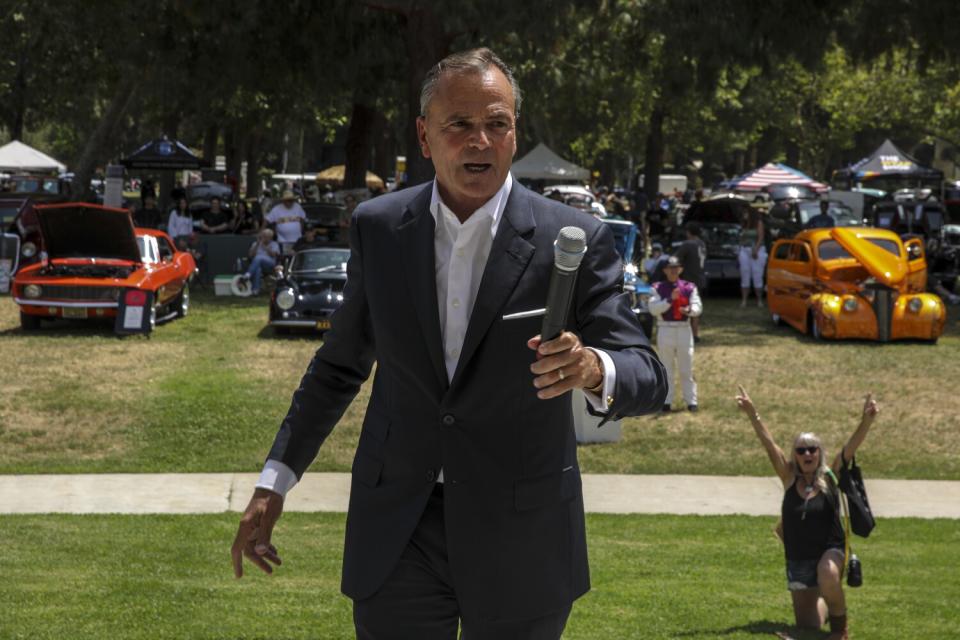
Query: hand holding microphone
[[562, 361]]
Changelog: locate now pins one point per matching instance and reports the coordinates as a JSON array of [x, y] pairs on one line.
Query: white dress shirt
[[461, 250]]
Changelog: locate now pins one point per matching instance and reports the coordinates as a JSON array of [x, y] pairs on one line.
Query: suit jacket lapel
[[416, 244], [509, 256]]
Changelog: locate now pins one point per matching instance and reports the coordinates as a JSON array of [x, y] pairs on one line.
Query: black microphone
[[568, 251]]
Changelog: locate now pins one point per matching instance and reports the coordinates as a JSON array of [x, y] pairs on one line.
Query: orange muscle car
[[851, 282], [94, 261]]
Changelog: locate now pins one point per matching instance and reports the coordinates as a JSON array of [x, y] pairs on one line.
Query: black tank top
[[810, 527]]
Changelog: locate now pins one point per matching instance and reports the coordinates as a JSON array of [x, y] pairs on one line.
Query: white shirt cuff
[[599, 401], [277, 477]]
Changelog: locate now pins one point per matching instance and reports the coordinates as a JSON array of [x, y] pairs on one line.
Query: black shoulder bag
[[851, 483]]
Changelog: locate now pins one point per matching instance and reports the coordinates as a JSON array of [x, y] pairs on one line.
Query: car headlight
[[32, 291], [28, 250], [850, 305], [286, 299], [915, 305]]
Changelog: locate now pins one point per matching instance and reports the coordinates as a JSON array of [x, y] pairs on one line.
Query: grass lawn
[[207, 393], [155, 577]]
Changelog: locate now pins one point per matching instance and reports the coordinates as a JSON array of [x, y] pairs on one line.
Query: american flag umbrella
[[773, 174]]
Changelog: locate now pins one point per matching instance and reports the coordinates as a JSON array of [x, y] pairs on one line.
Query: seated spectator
[[289, 220], [216, 220], [310, 239], [248, 221], [264, 253], [148, 216]]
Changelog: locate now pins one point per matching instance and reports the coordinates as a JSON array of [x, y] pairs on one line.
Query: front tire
[[29, 322], [183, 301], [814, 326]]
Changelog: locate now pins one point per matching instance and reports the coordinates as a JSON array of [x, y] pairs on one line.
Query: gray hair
[[808, 439], [473, 60]]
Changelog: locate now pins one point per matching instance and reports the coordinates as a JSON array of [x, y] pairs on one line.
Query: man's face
[[288, 204], [672, 273], [215, 206], [469, 133]]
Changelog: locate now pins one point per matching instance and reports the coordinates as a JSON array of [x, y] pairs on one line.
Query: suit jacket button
[[431, 475], [448, 420]]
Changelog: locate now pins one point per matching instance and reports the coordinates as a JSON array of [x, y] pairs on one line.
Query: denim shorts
[[802, 574]]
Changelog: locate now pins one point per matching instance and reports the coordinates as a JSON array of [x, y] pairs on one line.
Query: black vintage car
[[310, 289], [789, 217], [720, 219]]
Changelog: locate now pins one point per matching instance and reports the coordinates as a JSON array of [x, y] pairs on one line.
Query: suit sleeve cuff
[[277, 477], [601, 402]]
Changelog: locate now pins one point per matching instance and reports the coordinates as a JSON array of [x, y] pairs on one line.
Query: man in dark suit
[[465, 505]]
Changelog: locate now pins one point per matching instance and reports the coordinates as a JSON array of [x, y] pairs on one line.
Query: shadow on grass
[[292, 333], [67, 329], [761, 628]]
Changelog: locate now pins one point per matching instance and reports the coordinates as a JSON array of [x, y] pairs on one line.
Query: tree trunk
[[171, 123], [654, 155], [93, 150], [384, 147], [358, 146], [426, 43], [254, 141], [234, 137], [19, 99], [210, 135]]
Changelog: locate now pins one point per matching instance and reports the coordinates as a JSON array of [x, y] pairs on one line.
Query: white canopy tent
[[544, 164], [16, 156]]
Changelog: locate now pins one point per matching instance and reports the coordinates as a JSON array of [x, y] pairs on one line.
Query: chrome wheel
[[183, 304]]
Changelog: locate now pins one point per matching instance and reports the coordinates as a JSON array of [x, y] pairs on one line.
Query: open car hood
[[879, 263], [79, 230]]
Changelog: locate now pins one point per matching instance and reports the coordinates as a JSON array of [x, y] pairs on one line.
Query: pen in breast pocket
[[533, 313]]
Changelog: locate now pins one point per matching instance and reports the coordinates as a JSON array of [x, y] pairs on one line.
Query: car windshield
[[842, 215], [148, 249], [831, 249], [720, 233], [8, 213], [321, 260]]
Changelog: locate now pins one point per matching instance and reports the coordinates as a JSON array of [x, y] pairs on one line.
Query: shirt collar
[[493, 207]]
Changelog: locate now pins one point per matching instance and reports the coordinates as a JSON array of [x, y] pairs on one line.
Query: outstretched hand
[[253, 534], [870, 408], [745, 403]]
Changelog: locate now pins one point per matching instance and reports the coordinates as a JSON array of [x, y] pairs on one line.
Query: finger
[[569, 361], [564, 342], [742, 390], [236, 550], [557, 389], [534, 342], [262, 542], [256, 559]]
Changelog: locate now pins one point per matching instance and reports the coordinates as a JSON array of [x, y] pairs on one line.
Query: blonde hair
[[808, 439]]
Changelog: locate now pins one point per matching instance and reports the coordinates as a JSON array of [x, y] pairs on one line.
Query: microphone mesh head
[[569, 248]]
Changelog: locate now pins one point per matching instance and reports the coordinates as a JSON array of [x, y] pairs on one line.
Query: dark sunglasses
[[810, 450]]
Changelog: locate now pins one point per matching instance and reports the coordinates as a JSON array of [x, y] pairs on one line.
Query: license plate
[[323, 324], [74, 312]]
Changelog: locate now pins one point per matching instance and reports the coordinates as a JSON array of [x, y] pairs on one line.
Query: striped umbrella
[[773, 174]]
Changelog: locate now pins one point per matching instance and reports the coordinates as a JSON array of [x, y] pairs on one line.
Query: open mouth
[[476, 167]]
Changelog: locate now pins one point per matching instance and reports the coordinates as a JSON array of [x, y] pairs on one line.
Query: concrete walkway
[[221, 492]]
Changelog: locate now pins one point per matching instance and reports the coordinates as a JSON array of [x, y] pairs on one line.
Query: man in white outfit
[[674, 302]]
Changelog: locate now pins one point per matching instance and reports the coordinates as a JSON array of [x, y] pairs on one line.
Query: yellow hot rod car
[[853, 282]]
